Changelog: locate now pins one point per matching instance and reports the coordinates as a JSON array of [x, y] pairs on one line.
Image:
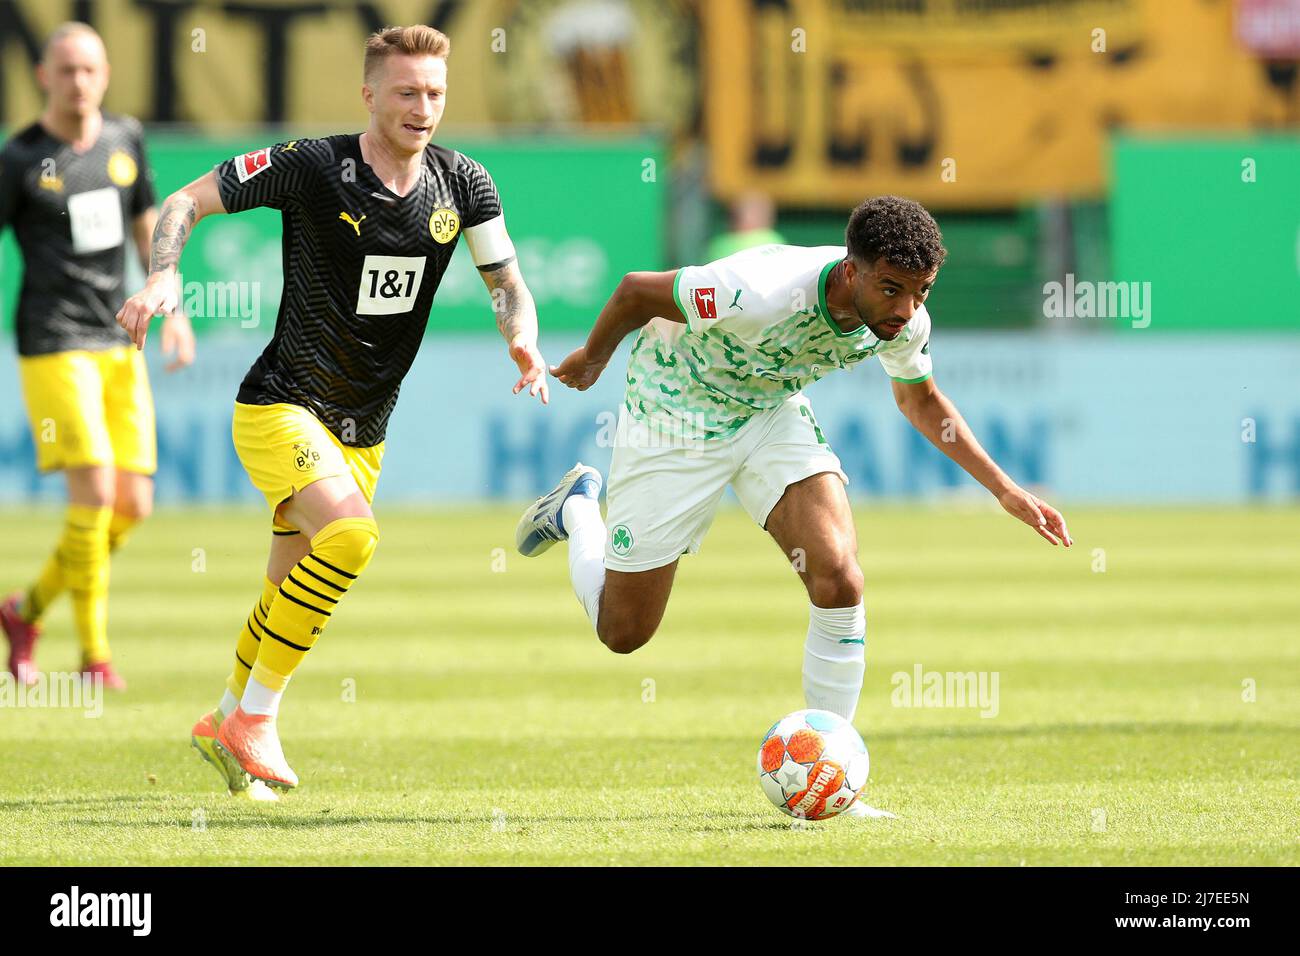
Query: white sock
[[228, 704], [260, 699], [586, 528], [834, 658]]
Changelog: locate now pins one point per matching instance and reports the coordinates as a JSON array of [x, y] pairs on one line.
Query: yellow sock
[[308, 595], [83, 557], [250, 636], [49, 584], [118, 529], [46, 588]]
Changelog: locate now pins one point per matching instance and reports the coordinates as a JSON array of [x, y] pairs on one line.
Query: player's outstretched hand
[[158, 297], [178, 338], [1038, 514], [532, 370], [578, 371]]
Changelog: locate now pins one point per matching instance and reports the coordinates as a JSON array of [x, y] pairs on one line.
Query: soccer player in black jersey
[[370, 223], [76, 187]]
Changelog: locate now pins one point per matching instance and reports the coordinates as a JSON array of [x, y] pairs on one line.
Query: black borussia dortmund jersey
[[72, 213], [361, 265]]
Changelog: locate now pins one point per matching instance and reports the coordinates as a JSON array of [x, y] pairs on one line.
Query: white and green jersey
[[757, 331]]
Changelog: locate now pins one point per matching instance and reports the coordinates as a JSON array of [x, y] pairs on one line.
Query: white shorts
[[661, 500]]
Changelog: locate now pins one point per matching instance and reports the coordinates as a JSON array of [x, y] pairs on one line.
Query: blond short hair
[[69, 29], [419, 40]]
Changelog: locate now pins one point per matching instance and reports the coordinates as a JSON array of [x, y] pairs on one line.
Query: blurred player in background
[[370, 223], [753, 223], [76, 186], [715, 398]]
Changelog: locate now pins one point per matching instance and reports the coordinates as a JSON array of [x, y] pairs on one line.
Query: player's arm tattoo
[[175, 222], [511, 301]]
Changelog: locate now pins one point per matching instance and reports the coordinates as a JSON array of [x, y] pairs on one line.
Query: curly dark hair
[[899, 230]]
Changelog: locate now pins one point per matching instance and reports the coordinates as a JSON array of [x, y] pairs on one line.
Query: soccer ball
[[812, 764]]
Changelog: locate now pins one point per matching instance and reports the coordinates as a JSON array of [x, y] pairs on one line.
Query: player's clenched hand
[[158, 297], [178, 338], [1038, 514], [578, 371], [532, 369]]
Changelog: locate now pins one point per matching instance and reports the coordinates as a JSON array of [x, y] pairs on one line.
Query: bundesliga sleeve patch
[[705, 302], [250, 164]]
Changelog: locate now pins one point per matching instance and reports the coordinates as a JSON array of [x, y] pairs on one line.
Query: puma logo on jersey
[[354, 223], [735, 303], [290, 147]]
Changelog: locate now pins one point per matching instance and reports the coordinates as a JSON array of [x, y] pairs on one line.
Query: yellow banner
[[212, 63], [971, 25], [964, 104]]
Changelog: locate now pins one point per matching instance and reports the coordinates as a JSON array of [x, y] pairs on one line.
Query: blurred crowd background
[[1060, 143]]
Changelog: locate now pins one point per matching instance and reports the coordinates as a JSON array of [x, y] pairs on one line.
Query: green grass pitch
[[1148, 713]]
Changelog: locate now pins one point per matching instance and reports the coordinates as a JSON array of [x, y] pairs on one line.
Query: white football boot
[[859, 810], [543, 523]]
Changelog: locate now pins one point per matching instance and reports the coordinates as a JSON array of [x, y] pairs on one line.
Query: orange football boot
[[203, 738], [252, 742]]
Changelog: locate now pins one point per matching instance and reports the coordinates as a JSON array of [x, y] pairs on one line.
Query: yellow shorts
[[284, 448], [90, 408]]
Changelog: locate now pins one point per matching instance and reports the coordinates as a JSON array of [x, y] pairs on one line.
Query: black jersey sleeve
[[11, 184], [484, 201], [275, 176], [144, 196]]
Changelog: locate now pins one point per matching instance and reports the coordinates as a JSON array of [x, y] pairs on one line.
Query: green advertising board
[[581, 212], [1213, 225]]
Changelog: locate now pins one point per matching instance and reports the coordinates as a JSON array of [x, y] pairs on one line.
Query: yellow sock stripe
[[80, 551], [311, 607], [253, 623], [300, 585], [339, 571], [300, 598], [305, 596], [308, 571], [285, 641]]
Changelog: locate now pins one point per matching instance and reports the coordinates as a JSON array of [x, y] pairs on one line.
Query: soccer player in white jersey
[[715, 398]]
